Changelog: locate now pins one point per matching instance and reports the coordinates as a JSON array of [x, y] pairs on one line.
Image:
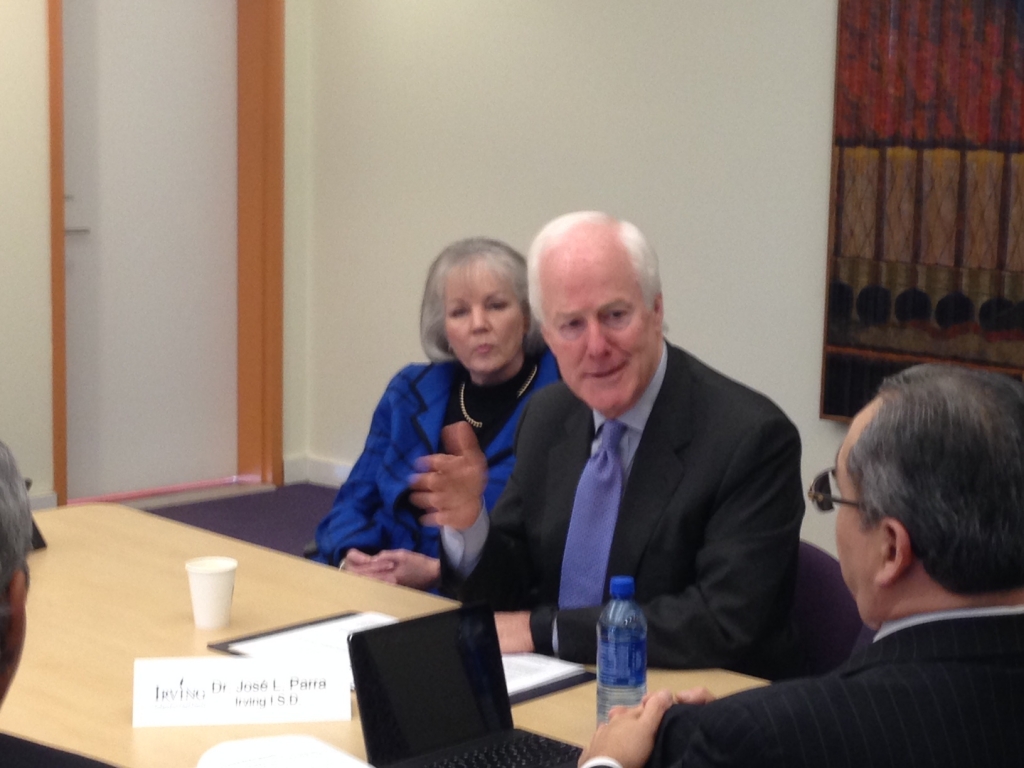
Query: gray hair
[[944, 456], [497, 256], [15, 528], [641, 254]]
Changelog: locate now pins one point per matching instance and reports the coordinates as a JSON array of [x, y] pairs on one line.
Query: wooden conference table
[[111, 587]]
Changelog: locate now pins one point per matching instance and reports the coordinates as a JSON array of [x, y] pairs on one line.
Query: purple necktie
[[594, 512]]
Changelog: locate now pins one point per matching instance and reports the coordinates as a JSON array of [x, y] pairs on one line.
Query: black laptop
[[432, 692]]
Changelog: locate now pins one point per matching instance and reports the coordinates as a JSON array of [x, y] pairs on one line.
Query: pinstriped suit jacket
[[18, 753], [948, 693]]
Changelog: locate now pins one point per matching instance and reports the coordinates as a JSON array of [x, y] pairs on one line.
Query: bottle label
[[622, 662]]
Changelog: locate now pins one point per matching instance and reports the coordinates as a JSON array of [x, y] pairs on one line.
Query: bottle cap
[[621, 587]]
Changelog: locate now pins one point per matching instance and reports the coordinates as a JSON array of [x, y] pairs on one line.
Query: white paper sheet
[[278, 752], [328, 638], [524, 671]]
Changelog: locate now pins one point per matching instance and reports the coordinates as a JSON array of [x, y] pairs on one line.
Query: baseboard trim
[[297, 469], [313, 469], [42, 500]]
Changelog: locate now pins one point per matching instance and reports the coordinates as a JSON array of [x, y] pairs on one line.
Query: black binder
[[38, 542]]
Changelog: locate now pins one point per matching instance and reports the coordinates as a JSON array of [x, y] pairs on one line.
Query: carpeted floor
[[283, 518]]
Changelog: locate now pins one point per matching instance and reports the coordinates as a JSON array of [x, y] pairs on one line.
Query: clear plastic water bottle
[[621, 650]]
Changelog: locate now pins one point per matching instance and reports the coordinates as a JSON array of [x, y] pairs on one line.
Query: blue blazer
[[372, 511]]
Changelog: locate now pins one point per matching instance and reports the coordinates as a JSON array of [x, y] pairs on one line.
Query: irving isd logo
[[179, 696]]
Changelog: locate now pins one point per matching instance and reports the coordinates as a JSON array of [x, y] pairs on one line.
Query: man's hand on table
[[698, 695], [514, 634], [628, 736]]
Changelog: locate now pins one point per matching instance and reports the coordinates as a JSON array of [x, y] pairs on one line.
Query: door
[[150, 136]]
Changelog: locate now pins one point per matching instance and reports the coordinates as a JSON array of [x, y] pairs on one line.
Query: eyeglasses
[[823, 492]]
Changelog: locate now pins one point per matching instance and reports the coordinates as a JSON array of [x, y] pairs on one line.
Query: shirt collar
[[636, 417], [889, 627]]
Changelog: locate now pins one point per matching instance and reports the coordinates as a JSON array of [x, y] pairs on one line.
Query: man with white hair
[[15, 544], [929, 492], [642, 461]]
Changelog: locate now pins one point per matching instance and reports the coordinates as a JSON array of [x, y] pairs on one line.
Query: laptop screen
[[429, 683]]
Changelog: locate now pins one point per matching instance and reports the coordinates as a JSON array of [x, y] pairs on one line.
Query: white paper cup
[[211, 581]]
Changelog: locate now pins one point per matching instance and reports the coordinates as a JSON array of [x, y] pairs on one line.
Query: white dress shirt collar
[[896, 625], [636, 417]]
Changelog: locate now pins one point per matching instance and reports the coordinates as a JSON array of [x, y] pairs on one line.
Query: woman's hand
[[395, 566]]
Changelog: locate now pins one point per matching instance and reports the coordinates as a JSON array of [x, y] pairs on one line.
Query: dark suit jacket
[[708, 526], [372, 511], [18, 753], [947, 694]]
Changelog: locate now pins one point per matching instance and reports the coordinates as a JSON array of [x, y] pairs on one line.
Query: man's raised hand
[[450, 485]]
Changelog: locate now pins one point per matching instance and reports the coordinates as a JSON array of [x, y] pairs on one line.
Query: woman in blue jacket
[[488, 359]]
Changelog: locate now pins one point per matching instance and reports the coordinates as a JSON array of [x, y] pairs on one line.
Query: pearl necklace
[[479, 424]]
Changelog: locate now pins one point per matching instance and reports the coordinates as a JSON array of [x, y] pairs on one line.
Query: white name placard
[[230, 690]]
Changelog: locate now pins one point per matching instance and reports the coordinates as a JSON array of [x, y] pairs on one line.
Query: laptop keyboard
[[528, 750]]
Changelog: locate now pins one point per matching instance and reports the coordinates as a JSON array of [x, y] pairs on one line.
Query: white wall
[[25, 348], [298, 162], [706, 122]]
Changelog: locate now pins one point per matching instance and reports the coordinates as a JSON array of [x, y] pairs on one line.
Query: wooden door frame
[[58, 334], [260, 241], [261, 238]]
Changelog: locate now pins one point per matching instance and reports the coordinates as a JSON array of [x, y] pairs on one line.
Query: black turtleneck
[[492, 405]]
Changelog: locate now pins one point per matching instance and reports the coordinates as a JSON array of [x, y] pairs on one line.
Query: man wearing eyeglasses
[[929, 493]]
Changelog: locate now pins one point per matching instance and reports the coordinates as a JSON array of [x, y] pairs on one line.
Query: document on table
[[328, 636], [527, 675], [278, 752]]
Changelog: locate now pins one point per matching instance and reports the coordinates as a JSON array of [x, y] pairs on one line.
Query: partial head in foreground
[[595, 288], [932, 471], [476, 309], [15, 544]]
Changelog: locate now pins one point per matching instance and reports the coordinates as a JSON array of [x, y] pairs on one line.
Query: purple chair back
[[824, 611]]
